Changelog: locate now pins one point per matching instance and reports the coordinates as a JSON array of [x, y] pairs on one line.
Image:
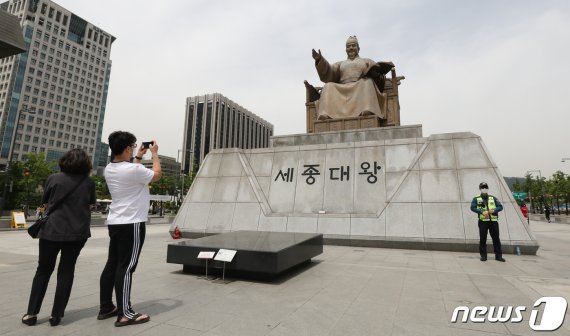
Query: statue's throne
[[389, 86]]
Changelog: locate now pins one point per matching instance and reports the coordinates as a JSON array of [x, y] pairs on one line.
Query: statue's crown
[[352, 39]]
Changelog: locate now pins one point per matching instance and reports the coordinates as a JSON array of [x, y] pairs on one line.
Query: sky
[[496, 68]]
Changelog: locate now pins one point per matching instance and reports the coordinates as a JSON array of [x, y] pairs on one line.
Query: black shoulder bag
[[34, 229]]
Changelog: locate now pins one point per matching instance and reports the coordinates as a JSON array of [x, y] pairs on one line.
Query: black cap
[[483, 185]]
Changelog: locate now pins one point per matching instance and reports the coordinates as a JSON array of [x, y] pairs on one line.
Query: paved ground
[[345, 291]]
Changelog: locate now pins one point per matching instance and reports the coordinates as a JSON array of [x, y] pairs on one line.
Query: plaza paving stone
[[344, 291]]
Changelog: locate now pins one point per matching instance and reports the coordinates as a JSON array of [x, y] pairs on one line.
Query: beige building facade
[[168, 165]]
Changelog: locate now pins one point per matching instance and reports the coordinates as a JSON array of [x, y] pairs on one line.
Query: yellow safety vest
[[492, 206]]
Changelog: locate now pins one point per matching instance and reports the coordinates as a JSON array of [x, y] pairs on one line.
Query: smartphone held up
[[146, 144]]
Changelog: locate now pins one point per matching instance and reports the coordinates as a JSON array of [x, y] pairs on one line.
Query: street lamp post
[[541, 183], [566, 203], [161, 185], [565, 194], [27, 206], [182, 175], [182, 156]]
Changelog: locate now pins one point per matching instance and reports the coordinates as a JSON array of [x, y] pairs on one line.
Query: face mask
[[484, 190]]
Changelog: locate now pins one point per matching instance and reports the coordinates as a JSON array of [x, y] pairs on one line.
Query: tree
[[167, 185], [554, 191], [101, 189], [558, 187], [518, 186], [24, 181]]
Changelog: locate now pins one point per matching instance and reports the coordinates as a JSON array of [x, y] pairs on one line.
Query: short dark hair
[[120, 140], [75, 161]]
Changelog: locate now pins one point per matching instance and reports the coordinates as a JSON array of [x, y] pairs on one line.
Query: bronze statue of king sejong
[[353, 87]]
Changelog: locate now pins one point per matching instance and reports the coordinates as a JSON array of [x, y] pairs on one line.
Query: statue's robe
[[347, 91]]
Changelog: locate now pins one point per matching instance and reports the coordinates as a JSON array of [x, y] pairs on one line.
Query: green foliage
[[174, 185], [101, 189], [553, 191], [23, 188], [167, 185]]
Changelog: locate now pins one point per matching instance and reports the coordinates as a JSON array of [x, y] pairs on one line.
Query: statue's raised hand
[[317, 55]]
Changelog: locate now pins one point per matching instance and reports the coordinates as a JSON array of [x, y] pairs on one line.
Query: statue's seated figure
[[354, 87]]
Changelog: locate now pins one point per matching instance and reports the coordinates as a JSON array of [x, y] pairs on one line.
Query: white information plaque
[[225, 255], [206, 255]]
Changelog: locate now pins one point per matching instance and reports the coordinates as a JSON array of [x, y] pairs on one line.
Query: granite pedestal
[[386, 187], [261, 255]]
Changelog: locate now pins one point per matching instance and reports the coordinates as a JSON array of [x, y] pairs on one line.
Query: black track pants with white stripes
[[124, 250]]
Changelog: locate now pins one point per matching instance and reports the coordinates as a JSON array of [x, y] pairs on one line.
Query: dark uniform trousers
[[493, 228]]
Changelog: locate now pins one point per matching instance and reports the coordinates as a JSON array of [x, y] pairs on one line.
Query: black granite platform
[[261, 255]]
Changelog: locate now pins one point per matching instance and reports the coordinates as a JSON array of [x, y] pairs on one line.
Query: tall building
[[214, 121], [53, 97], [103, 155], [168, 165]]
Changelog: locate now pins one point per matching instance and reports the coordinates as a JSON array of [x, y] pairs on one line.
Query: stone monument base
[[347, 124], [347, 136], [381, 187], [260, 255]]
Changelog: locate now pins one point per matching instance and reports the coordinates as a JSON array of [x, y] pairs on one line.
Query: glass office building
[[53, 97], [214, 121]]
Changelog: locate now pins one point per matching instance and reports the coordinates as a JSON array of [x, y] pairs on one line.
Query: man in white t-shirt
[[128, 184]]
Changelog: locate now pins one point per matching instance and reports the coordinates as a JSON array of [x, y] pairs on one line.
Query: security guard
[[488, 207]]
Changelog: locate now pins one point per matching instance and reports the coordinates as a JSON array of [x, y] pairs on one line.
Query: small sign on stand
[[225, 256], [207, 255], [18, 219]]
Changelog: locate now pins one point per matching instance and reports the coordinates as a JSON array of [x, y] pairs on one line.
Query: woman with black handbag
[[68, 196]]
